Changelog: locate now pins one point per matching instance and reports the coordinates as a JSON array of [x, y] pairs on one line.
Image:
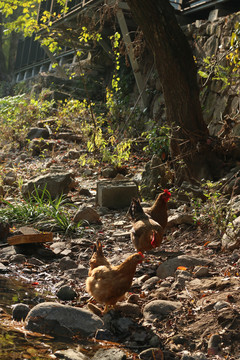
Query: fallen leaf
[[181, 268]]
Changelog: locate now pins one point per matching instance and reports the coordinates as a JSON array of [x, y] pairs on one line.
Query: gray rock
[[179, 283], [20, 312], [55, 184], [214, 344], [231, 239], [70, 354], [66, 263], [234, 204], [56, 319], [199, 356], [104, 334], [38, 146], [186, 355], [58, 246], [123, 324], [7, 252], [169, 267], [155, 341], [3, 268], [201, 271], [69, 136], [178, 219], [66, 293], [88, 214], [211, 45], [17, 259], [150, 283], [35, 261], [110, 354], [221, 305], [109, 172], [66, 252], [80, 272], [183, 273], [140, 336], [36, 133], [159, 309], [128, 309]]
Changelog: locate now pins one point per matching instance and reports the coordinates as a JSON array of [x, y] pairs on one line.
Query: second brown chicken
[[146, 233]]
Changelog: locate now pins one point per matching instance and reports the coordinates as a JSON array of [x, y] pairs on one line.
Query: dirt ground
[[210, 303]]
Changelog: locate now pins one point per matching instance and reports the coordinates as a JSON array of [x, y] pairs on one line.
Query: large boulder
[[62, 320], [169, 267], [158, 309], [56, 184]]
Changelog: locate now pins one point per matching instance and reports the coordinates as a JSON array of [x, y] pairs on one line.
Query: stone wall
[[207, 39]]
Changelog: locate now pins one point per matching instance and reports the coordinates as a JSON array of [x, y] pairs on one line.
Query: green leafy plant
[[158, 140], [226, 67], [18, 113], [212, 69], [215, 211], [39, 207], [100, 136]]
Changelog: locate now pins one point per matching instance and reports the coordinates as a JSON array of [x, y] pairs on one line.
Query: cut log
[[30, 238]]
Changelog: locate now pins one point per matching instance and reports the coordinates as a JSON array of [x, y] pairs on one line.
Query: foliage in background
[[224, 68], [100, 136], [158, 140], [212, 69], [18, 113], [215, 211]]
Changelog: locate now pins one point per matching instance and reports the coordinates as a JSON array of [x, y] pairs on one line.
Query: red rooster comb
[[167, 192], [141, 254]]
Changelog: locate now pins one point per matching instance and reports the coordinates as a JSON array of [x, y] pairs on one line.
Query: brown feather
[[143, 227], [108, 284]]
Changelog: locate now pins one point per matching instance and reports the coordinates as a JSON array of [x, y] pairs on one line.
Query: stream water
[[17, 343]]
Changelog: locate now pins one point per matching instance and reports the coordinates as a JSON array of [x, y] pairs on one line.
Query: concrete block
[[116, 194]]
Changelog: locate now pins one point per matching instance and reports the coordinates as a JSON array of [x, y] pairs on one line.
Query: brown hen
[[108, 284], [146, 233], [158, 211]]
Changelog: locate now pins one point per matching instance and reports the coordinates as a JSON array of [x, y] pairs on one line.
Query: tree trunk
[[178, 75]]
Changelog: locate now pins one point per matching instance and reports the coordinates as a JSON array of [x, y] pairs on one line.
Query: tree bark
[[178, 75]]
